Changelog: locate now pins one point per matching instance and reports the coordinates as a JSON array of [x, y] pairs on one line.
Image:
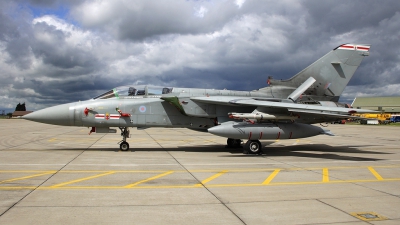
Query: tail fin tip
[[356, 47]]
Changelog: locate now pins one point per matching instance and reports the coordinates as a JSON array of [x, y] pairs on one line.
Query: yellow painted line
[[82, 179], [211, 178], [198, 171], [194, 186], [116, 171], [325, 175], [53, 139], [271, 177], [28, 171], [303, 183], [376, 174], [26, 177], [148, 179]]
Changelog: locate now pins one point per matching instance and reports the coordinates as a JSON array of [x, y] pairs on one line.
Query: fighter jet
[[283, 110]]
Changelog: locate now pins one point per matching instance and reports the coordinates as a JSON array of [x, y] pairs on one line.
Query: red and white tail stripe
[[362, 48]]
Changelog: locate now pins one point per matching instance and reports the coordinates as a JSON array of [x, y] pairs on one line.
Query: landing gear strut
[[123, 145], [253, 147]]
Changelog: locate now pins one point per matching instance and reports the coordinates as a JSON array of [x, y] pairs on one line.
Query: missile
[[260, 116], [266, 131]]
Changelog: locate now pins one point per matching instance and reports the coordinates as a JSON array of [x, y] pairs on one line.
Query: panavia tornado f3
[[283, 110]]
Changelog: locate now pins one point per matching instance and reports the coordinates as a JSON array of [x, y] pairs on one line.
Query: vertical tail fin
[[332, 72]]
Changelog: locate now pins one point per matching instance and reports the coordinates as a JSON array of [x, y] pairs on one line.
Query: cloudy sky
[[55, 52]]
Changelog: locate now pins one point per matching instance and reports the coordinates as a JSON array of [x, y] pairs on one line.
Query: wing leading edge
[[290, 107]]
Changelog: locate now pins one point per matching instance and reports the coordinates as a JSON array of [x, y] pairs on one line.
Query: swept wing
[[273, 107]]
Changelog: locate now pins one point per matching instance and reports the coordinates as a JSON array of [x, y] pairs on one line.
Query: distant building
[[382, 104], [17, 114]]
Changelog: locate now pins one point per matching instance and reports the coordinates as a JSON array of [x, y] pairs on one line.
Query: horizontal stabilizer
[[327, 132]]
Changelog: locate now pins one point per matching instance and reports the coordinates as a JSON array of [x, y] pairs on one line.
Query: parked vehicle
[[339, 122], [395, 118]]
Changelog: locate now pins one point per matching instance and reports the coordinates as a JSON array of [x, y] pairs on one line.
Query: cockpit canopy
[[126, 91]]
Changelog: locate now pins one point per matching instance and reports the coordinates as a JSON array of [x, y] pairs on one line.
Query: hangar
[[383, 104], [18, 114]]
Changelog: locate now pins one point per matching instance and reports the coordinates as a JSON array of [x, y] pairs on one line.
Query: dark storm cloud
[[15, 32], [8, 28], [86, 47], [55, 51], [50, 3], [315, 25], [19, 50], [344, 16], [143, 19], [41, 64]]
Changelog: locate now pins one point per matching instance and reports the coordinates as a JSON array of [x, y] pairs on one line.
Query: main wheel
[[230, 142], [254, 147], [233, 143], [237, 143], [124, 146]]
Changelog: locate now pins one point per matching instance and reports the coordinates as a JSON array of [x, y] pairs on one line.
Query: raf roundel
[[142, 108]]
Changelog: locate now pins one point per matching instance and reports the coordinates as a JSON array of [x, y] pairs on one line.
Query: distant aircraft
[[283, 110]]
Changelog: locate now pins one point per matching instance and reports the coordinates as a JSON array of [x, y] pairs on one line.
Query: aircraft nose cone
[[57, 115]]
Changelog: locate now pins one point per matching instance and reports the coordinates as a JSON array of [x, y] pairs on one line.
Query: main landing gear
[[251, 146], [123, 145]]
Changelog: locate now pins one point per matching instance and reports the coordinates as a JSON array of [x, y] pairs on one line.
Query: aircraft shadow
[[321, 151]]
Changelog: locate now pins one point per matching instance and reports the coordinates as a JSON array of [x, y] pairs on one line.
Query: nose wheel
[[123, 145]]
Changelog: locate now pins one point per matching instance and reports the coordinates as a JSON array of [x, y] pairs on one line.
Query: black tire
[[230, 142], [254, 147], [237, 143], [124, 146], [233, 143]]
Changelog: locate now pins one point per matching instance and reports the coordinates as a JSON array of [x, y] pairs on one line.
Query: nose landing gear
[[123, 145]]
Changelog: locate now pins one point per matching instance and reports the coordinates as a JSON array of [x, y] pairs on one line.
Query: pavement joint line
[[387, 193], [40, 139], [27, 177], [70, 182], [271, 177], [338, 209], [37, 187], [376, 174], [325, 175], [211, 178], [148, 179], [202, 185], [82, 179]]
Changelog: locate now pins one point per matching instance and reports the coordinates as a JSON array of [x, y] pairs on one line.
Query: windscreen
[[125, 91]]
